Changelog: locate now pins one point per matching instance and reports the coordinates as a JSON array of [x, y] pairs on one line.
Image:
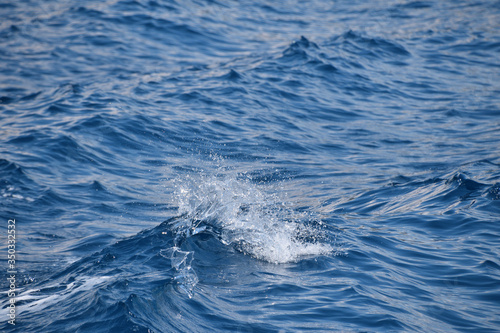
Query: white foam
[[254, 218], [35, 302]]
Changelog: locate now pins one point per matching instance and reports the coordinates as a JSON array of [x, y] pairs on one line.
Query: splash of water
[[252, 218], [180, 261]]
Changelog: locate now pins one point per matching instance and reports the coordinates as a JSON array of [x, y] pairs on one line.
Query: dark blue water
[[224, 166]]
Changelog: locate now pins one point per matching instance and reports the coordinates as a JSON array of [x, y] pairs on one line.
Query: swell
[[471, 189], [221, 218]]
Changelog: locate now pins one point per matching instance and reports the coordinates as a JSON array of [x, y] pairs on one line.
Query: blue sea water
[[250, 166]]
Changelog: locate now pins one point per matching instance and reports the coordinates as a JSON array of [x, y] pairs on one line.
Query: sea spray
[[251, 217]]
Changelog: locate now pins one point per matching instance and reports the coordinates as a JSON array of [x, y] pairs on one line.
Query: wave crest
[[252, 218]]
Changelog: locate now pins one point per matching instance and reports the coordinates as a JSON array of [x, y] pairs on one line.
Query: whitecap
[[253, 218]]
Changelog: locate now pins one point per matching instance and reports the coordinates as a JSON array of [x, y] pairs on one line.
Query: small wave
[[253, 219]]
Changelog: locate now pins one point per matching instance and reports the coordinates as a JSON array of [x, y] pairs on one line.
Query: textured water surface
[[237, 166]]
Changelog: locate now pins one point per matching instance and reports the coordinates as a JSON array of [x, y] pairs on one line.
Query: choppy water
[[223, 166]]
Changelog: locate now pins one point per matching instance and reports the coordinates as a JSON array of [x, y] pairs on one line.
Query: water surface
[[203, 166]]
